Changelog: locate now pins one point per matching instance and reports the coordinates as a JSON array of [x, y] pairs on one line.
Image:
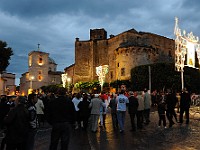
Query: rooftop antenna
[[38, 46]]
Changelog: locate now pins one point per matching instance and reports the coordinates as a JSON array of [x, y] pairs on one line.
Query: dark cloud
[[56, 23]]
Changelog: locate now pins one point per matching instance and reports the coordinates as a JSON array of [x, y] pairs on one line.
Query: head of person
[[135, 93], [61, 91], [122, 91], [96, 95], [145, 90], [78, 95], [32, 98], [85, 97], [21, 100]]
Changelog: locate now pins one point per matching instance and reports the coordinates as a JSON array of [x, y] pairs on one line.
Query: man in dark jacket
[[4, 109], [185, 102], [171, 102], [17, 122], [60, 115], [132, 108]]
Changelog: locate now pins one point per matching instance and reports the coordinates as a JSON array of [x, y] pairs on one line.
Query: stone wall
[[126, 50]]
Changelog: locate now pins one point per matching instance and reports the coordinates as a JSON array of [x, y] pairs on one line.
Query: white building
[[41, 72]]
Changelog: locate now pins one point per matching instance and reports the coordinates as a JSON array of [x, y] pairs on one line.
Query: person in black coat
[[132, 109], [4, 109], [113, 106], [171, 101], [162, 110], [17, 122], [185, 102], [61, 115], [84, 111]]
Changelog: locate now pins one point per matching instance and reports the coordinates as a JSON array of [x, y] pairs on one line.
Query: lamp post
[[31, 82], [68, 81]]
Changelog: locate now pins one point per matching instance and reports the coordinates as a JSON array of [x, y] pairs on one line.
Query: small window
[[122, 71], [40, 61], [111, 75], [117, 64], [53, 79]]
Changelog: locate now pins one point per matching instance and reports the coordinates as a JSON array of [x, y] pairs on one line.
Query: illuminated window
[[39, 72], [39, 77], [40, 61], [122, 71], [53, 79]]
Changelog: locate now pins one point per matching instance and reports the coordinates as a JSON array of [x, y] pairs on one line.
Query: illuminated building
[[120, 52], [7, 84], [41, 72]]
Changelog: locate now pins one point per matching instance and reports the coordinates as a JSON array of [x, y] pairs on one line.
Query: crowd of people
[[87, 112]]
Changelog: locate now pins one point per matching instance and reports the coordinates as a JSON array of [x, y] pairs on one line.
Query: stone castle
[[121, 53]]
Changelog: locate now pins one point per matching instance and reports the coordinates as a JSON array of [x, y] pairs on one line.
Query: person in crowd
[[171, 101], [132, 108], [76, 101], [4, 109], [61, 115], [161, 110], [103, 114], [185, 102], [84, 111], [154, 98], [17, 123], [33, 121], [147, 106], [113, 106], [95, 105], [178, 101], [140, 110], [40, 111], [122, 102]]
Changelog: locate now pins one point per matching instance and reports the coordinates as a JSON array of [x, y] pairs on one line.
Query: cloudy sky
[[56, 23]]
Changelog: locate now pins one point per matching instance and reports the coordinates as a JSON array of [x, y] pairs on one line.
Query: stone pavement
[[179, 137]]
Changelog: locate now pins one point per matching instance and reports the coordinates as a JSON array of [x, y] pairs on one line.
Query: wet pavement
[[179, 137]]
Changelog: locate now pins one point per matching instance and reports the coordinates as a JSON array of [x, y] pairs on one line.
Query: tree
[[5, 54], [163, 76]]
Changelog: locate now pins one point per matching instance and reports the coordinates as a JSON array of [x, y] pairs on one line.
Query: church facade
[[121, 53], [42, 71]]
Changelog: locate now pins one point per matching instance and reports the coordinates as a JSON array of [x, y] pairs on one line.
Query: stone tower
[[41, 72]]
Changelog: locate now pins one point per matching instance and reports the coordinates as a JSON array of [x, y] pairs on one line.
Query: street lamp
[[31, 81], [68, 81]]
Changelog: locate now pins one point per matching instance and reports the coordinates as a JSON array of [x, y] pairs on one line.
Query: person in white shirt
[[76, 101], [122, 102], [40, 111]]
